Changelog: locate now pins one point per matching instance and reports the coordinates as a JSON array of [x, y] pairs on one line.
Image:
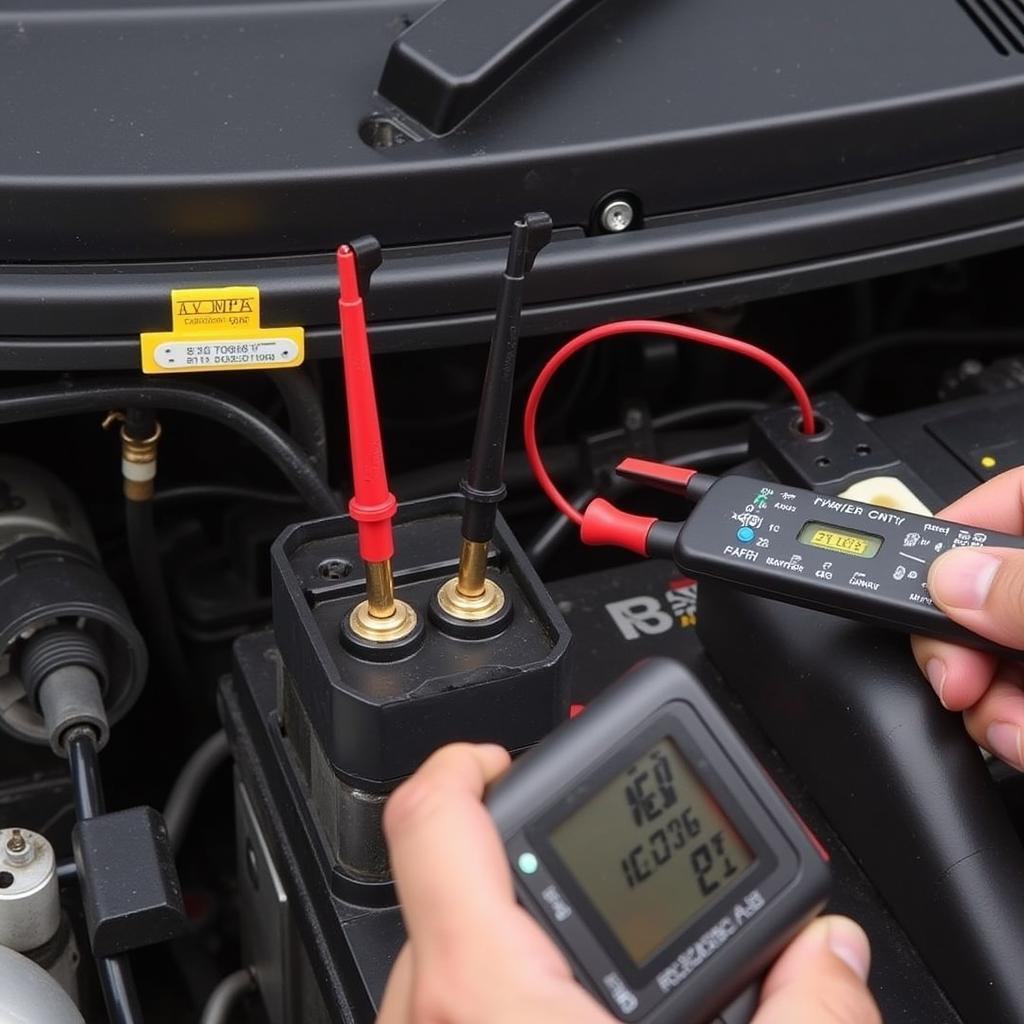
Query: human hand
[[473, 954], [982, 589]]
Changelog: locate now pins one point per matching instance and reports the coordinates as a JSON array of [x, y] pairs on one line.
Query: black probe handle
[[484, 485], [801, 547]]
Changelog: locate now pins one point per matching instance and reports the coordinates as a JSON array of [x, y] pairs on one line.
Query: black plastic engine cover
[[767, 147]]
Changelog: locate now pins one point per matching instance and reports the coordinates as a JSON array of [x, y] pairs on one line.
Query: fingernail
[[935, 670], [962, 579], [848, 941], [1004, 740]]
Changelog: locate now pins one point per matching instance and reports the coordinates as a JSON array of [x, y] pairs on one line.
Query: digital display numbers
[[846, 542], [651, 849]]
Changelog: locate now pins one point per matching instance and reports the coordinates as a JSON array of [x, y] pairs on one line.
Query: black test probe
[[471, 596]]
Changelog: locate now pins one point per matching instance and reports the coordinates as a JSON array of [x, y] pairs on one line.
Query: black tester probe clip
[[814, 550], [472, 599]]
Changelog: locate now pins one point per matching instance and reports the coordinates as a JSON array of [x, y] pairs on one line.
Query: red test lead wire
[[679, 331], [372, 505]]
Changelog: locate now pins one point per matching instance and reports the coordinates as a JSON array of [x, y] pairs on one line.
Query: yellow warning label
[[219, 329]]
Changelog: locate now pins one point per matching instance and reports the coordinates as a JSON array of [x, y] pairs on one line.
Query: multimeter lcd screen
[[651, 850], [846, 542]]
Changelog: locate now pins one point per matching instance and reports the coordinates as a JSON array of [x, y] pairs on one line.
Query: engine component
[[69, 652], [29, 896], [30, 995], [63, 671], [34, 503], [31, 919]]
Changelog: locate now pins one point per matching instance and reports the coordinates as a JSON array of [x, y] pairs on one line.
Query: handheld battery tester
[[832, 554], [828, 553], [650, 844]]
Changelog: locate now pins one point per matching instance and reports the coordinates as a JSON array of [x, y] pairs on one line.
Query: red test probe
[[381, 618]]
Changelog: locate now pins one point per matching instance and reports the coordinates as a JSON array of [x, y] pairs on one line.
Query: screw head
[[334, 568], [17, 850], [617, 215]]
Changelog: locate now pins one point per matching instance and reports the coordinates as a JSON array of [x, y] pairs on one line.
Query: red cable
[[680, 331]]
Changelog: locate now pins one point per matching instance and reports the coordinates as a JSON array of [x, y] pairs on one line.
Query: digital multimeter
[[832, 554], [651, 845]]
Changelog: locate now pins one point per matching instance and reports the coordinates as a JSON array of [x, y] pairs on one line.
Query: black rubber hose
[[151, 585], [30, 403], [305, 415], [737, 408], [442, 478], [116, 981], [119, 991], [84, 766], [222, 492], [150, 582]]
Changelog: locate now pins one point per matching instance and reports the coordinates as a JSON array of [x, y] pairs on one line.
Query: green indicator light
[[528, 863]]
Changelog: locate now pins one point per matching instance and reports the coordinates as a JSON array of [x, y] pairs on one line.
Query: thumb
[[982, 589], [821, 978]]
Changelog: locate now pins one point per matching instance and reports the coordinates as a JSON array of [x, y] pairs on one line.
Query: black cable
[[151, 583], [441, 478], [222, 492], [151, 586], [556, 529], [119, 992], [84, 766], [115, 973], [30, 403], [692, 414], [305, 414], [909, 339]]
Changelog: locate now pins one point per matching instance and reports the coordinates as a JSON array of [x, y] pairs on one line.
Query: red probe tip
[[348, 279], [674, 479], [604, 525]]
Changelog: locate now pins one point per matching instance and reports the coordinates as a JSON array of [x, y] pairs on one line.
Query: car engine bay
[[203, 706]]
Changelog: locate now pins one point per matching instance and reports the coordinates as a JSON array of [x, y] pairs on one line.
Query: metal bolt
[[18, 851], [617, 215], [334, 568]]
